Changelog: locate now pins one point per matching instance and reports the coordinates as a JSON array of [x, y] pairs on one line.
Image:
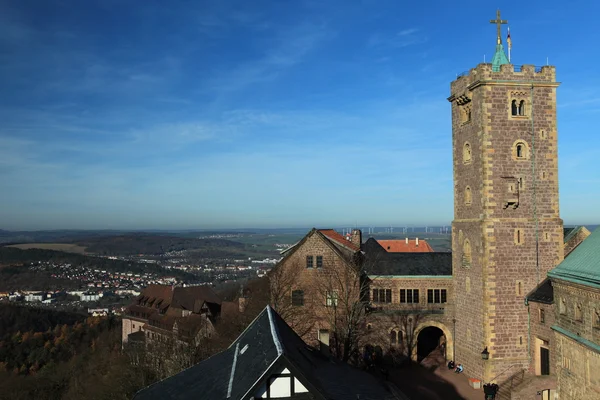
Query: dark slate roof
[[566, 233], [543, 293], [582, 264], [266, 346], [380, 262]]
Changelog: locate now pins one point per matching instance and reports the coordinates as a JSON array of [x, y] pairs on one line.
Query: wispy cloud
[[287, 49], [403, 38]]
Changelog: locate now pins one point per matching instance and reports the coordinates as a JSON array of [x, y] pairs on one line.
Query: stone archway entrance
[[429, 339], [429, 335]]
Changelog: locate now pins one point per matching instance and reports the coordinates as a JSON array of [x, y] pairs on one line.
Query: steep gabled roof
[[583, 264], [266, 346], [338, 239], [344, 248]]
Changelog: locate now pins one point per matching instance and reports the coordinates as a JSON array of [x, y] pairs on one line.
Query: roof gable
[[338, 239], [266, 346], [345, 249], [583, 264]]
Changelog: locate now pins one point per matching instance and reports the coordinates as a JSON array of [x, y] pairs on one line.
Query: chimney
[[356, 237], [417, 242], [407, 240]]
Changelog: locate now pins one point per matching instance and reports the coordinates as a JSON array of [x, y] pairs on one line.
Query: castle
[[507, 235]]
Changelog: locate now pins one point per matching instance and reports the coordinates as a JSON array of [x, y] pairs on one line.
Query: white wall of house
[[280, 386]]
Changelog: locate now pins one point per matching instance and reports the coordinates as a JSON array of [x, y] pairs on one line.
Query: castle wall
[[541, 336], [508, 217]]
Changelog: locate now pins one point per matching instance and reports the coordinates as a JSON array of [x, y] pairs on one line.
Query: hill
[[151, 244]]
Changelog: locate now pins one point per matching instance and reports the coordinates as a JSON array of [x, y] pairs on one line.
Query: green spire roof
[[499, 58]]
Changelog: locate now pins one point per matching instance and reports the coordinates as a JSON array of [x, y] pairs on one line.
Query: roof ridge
[[274, 331]]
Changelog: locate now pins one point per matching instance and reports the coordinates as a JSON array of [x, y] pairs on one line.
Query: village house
[[187, 314]]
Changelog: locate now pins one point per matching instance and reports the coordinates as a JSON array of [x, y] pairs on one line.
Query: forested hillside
[[134, 244]]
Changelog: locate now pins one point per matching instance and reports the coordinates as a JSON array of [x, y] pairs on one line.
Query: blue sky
[[223, 114]]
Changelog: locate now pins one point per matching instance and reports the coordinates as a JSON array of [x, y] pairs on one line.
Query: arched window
[[393, 337], [468, 196], [514, 108], [467, 153], [466, 258], [522, 108], [520, 150]]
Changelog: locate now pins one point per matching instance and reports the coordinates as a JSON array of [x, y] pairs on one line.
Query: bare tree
[[299, 312], [345, 294]]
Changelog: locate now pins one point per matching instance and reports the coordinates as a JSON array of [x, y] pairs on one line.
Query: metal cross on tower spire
[[498, 21]]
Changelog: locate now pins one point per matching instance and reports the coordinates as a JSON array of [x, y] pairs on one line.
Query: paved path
[[431, 380]]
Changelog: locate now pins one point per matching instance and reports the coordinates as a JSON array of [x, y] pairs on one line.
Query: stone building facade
[[507, 232], [406, 297], [576, 284], [416, 303], [317, 281]]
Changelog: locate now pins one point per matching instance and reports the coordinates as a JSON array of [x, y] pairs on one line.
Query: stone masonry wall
[[512, 222], [541, 331], [577, 365], [335, 274], [129, 326], [424, 314]]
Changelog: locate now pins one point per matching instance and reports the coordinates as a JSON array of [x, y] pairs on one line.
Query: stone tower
[[507, 232]]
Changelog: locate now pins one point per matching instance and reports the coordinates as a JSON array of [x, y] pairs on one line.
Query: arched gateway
[[429, 335]]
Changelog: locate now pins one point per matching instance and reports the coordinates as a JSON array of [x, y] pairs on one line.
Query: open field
[[66, 247]]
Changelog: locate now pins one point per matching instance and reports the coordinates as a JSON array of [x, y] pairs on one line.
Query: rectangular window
[[309, 261], [436, 296], [409, 296], [331, 299], [297, 297], [382, 295], [319, 261], [542, 316]]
